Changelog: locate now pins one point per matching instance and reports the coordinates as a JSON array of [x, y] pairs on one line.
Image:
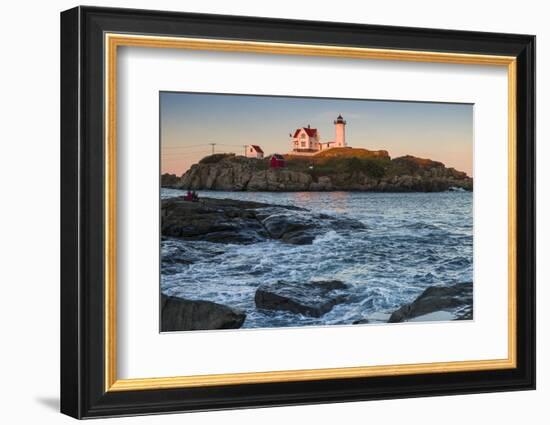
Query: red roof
[[311, 132], [257, 148]]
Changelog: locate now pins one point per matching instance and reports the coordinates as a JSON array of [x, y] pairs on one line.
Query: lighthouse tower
[[340, 140]]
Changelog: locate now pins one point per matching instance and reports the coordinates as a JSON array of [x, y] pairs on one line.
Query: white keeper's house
[[306, 140]]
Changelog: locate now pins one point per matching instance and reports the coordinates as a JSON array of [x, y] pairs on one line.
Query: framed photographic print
[[261, 212]]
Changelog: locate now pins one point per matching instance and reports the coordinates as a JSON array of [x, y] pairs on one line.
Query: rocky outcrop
[[170, 180], [214, 220], [303, 228], [323, 183], [456, 300], [277, 180], [291, 228], [235, 175], [179, 314], [244, 222], [403, 174], [315, 298], [222, 172]]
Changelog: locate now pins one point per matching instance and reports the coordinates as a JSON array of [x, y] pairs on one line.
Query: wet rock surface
[[314, 298], [302, 228], [456, 299], [244, 222], [179, 314], [174, 255], [214, 220]]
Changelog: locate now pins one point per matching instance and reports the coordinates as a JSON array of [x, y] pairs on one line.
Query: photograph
[[281, 212]]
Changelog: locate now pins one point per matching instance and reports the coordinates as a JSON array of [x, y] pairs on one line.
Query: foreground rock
[[311, 299], [342, 171], [174, 255], [244, 222], [214, 220], [179, 314], [454, 301], [301, 228]]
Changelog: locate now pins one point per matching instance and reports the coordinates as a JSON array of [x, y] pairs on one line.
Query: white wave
[[328, 237]]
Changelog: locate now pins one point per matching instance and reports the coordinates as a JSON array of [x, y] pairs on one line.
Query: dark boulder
[[179, 314], [245, 222], [311, 299], [291, 228], [175, 254], [456, 299], [213, 220], [302, 227]]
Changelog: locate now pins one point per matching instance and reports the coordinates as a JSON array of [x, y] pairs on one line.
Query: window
[[303, 144], [302, 136]]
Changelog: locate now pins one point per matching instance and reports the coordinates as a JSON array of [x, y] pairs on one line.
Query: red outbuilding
[[277, 161]]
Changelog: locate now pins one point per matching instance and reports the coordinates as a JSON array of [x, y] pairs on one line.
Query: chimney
[[308, 126]]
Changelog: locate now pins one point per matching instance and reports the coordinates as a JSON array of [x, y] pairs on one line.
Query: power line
[[184, 154], [203, 144], [176, 157], [184, 147], [205, 148]]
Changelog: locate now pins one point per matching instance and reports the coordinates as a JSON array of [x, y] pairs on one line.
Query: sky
[[190, 122]]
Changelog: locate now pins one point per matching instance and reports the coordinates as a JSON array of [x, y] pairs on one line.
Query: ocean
[[411, 241]]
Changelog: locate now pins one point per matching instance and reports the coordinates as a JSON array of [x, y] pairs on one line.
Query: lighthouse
[[306, 140], [340, 140]]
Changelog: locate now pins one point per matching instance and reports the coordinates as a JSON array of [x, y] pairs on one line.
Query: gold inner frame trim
[[113, 41]]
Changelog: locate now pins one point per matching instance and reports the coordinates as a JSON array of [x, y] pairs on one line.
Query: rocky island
[[337, 169]]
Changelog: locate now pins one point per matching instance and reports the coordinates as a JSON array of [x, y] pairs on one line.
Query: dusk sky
[[190, 121]]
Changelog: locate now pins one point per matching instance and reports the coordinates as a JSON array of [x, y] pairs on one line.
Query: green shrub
[[373, 168]]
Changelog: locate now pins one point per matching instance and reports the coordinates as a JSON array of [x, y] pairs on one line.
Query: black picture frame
[[83, 392]]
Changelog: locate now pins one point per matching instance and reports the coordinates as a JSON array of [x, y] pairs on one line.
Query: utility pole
[[244, 146], [213, 147]]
